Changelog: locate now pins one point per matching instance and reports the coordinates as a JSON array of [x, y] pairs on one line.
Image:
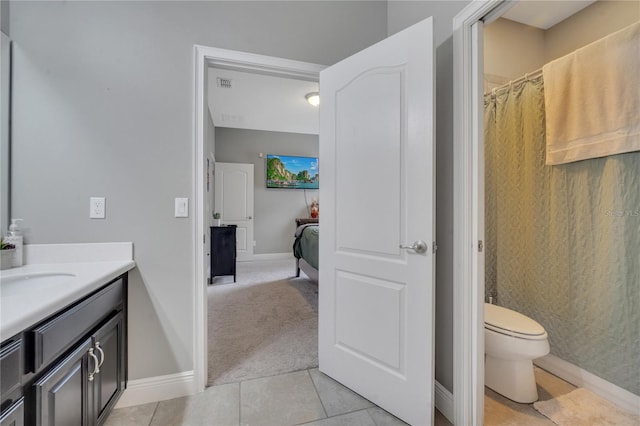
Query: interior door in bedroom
[[376, 326], [234, 200]]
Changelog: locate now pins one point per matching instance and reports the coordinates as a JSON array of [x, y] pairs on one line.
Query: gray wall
[[4, 17], [103, 107], [402, 14], [274, 209]]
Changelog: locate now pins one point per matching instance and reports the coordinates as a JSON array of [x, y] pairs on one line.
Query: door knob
[[419, 247]]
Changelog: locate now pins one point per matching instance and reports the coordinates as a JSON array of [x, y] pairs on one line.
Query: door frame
[[203, 58], [468, 221]]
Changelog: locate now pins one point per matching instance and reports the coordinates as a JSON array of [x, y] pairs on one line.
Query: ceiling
[[544, 14], [262, 102]]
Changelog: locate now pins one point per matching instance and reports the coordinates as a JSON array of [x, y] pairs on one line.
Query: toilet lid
[[506, 321]]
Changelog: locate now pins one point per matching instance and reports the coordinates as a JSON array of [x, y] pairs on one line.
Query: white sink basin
[[32, 281]]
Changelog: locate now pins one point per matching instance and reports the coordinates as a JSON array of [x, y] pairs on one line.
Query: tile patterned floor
[[305, 397], [309, 397]]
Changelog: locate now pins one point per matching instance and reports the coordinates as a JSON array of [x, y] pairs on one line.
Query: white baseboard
[[272, 256], [444, 402], [157, 388], [582, 378]]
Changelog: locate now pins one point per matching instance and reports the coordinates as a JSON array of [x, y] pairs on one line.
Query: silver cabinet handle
[[97, 345], [419, 247], [96, 368]]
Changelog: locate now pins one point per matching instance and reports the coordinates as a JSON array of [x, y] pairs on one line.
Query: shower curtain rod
[[527, 76]]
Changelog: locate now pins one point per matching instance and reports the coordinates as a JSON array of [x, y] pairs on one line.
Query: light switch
[[182, 207]]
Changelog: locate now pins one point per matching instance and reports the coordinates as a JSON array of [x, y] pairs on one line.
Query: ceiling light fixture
[[313, 98]]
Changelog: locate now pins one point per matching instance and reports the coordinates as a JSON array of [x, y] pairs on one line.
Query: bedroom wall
[[275, 209], [103, 104]]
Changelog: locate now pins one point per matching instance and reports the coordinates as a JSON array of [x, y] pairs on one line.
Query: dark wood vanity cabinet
[[11, 355], [74, 363], [14, 414], [223, 251], [83, 387]]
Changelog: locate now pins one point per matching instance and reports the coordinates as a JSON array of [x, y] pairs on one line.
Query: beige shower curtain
[[563, 242]]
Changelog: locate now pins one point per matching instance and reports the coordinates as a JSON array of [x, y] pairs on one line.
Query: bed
[[305, 250]]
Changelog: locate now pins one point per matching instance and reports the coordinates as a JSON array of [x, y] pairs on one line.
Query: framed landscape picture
[[292, 172]]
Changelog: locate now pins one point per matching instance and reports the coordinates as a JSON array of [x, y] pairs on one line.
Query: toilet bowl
[[511, 342]]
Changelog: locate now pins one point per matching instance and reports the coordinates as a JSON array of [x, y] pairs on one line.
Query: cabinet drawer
[[10, 370], [58, 334]]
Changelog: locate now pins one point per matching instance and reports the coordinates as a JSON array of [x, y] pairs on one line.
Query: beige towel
[[592, 99]]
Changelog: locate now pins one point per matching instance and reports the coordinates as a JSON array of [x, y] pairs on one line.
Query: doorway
[[205, 57], [469, 162], [389, 84]]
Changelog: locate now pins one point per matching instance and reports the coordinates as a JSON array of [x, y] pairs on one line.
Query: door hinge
[[204, 238], [434, 248], [480, 246]]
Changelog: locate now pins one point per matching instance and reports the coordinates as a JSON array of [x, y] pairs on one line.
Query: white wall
[[401, 15], [103, 107]]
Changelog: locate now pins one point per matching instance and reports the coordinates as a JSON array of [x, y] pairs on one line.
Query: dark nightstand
[[223, 252]]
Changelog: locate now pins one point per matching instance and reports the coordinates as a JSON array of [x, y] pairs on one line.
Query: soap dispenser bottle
[[15, 237]]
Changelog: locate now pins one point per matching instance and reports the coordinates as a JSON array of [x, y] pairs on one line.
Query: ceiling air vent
[[225, 83]]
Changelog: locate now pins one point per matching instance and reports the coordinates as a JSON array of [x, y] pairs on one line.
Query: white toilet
[[511, 342]]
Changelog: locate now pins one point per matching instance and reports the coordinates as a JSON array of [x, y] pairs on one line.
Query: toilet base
[[513, 379]]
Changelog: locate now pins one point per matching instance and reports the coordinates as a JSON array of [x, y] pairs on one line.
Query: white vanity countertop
[[23, 304]]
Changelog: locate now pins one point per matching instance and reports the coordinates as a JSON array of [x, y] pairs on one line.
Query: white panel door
[[376, 328], [234, 201]]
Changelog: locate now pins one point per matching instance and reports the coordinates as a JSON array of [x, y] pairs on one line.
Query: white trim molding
[[468, 290], [203, 58], [160, 388], [582, 378], [444, 401]]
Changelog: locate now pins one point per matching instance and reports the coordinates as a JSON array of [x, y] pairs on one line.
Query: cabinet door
[[62, 396], [10, 371], [108, 384], [14, 416], [223, 251]]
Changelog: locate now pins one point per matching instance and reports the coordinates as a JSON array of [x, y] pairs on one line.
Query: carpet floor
[[264, 324]]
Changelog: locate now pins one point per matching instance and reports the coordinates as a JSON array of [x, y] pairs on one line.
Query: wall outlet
[[96, 207]]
